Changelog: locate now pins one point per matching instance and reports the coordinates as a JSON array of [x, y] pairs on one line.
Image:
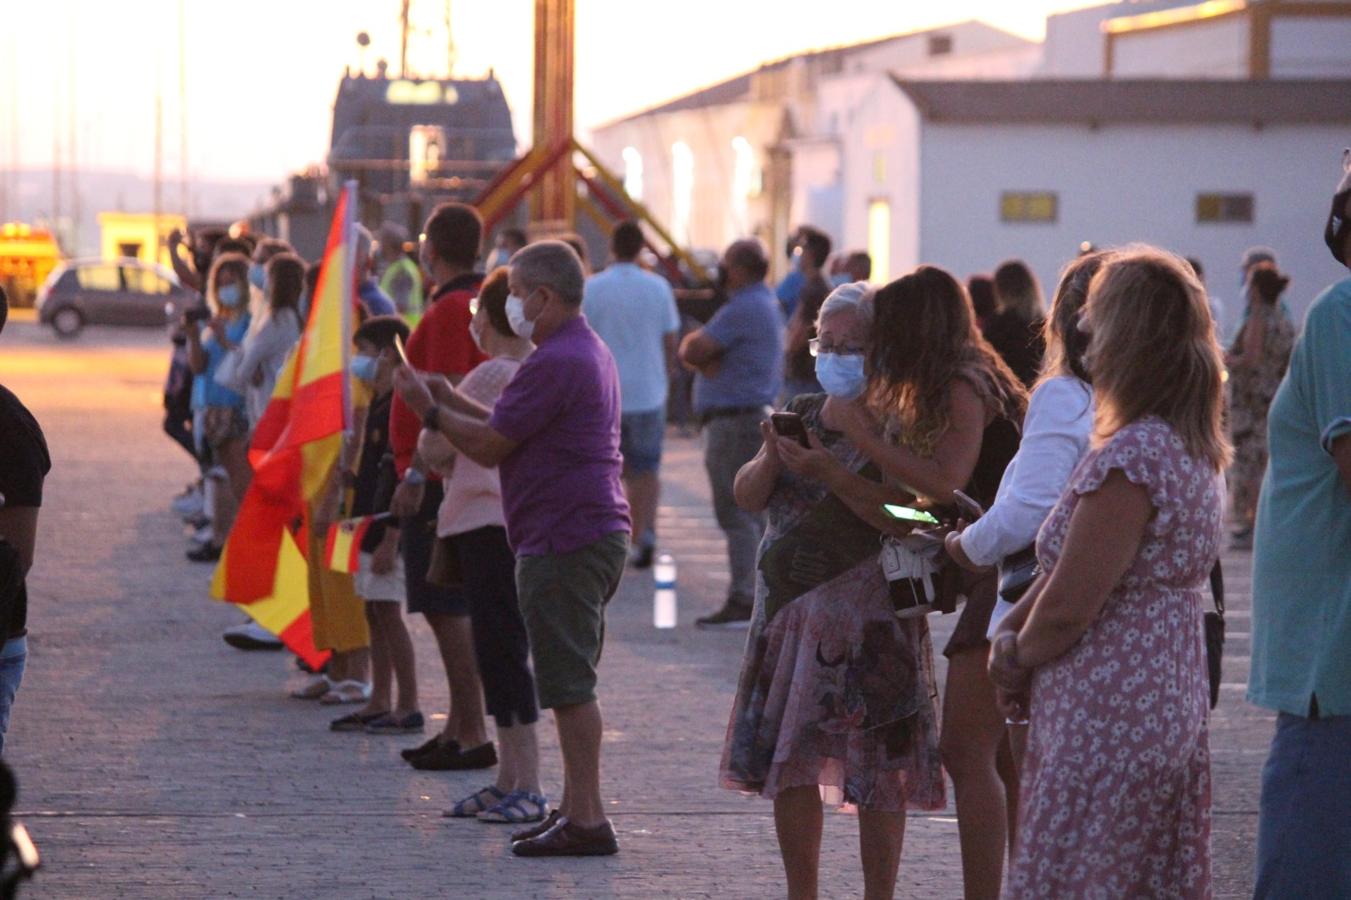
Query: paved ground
[[154, 761]]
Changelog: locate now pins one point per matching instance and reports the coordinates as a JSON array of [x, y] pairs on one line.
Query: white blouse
[[1056, 434]]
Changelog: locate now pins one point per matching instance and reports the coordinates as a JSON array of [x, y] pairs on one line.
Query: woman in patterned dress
[[1107, 646], [835, 691], [1257, 363]]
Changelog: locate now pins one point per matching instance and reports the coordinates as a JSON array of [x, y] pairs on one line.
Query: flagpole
[[349, 299]]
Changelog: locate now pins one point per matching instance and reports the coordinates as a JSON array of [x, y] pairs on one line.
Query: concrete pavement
[[154, 761]]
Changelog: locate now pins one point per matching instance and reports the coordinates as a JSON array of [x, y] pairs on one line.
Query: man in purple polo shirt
[[554, 435]]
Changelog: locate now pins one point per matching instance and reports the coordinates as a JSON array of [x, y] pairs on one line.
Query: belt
[[725, 412]]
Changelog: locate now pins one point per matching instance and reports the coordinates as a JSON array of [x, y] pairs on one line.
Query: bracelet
[[414, 477]]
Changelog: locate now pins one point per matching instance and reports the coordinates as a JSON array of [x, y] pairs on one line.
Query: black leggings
[[500, 641]]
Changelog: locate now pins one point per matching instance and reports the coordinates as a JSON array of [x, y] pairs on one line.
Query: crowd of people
[[1054, 477]]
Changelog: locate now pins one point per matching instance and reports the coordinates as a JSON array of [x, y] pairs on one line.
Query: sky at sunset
[[261, 74]]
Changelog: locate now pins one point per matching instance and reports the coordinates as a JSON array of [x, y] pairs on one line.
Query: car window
[[144, 281], [98, 278]]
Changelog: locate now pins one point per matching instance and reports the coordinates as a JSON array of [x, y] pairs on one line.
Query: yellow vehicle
[[27, 256]]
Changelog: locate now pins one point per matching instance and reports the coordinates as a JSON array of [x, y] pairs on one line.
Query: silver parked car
[[121, 292]]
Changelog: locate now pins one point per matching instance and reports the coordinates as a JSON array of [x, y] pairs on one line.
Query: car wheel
[[67, 322]]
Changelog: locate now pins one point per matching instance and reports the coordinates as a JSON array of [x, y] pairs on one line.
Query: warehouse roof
[[1155, 101]]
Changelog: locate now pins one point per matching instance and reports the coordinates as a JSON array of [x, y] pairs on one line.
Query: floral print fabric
[[1116, 784], [835, 691], [1252, 389]]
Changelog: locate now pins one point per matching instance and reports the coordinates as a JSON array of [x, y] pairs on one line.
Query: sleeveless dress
[[835, 691], [1116, 785]]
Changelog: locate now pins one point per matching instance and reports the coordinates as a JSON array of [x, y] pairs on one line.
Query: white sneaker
[[203, 535], [251, 636], [190, 504]]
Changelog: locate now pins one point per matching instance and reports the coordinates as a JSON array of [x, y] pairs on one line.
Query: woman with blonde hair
[[942, 414], [1105, 650]]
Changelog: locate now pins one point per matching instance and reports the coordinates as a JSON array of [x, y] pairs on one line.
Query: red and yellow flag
[[342, 549], [297, 441]]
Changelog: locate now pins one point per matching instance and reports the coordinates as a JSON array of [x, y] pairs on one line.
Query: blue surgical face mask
[[229, 295], [841, 376], [257, 275], [365, 368]]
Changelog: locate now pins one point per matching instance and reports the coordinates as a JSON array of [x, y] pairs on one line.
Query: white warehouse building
[[966, 174], [1205, 128]]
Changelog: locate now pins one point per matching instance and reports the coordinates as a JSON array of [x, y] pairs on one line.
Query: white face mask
[[477, 334], [516, 317]]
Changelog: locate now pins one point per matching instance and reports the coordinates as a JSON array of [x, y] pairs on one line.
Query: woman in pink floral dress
[[1107, 647]]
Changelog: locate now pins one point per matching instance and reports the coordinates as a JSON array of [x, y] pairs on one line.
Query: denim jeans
[[729, 443], [13, 656], [1304, 829]]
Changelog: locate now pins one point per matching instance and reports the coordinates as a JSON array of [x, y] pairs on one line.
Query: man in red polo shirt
[[441, 344]]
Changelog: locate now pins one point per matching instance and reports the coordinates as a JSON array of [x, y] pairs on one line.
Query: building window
[[879, 239], [633, 173], [1211, 208], [1029, 206], [940, 44], [682, 191]]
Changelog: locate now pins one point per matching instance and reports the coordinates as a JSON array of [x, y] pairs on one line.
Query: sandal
[[475, 803], [346, 692], [516, 808], [388, 723], [313, 689], [356, 721]]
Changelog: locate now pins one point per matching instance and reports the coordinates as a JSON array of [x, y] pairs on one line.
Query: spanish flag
[[296, 444], [342, 549]]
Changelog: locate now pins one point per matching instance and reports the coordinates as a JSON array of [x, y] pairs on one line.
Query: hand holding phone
[[789, 425], [970, 509]]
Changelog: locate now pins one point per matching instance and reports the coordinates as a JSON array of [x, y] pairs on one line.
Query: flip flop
[[516, 808], [475, 803], [355, 721], [313, 689], [346, 692], [387, 723]]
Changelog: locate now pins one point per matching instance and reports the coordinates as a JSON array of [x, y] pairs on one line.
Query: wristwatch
[[432, 418]]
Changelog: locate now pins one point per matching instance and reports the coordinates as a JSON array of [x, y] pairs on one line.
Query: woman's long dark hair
[[924, 336]]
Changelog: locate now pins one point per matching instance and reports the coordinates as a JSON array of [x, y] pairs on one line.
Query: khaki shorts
[[562, 598]]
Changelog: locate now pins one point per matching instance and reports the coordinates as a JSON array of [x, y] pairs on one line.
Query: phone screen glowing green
[[908, 514]]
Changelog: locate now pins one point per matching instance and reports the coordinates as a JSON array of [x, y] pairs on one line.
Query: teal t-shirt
[[1301, 628]]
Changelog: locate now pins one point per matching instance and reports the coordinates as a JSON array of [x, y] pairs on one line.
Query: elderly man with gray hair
[[554, 435], [738, 361], [375, 300]]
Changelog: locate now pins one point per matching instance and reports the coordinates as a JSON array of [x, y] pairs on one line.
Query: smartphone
[[909, 514], [398, 346], [786, 424], [970, 509]]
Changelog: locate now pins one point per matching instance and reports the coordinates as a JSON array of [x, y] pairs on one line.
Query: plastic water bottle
[[664, 603]]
